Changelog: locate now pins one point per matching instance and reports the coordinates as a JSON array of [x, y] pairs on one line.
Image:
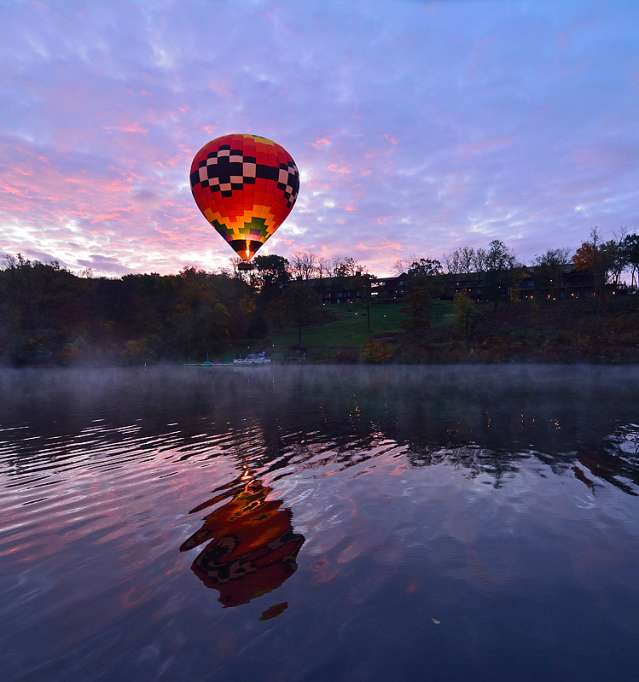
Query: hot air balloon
[[245, 186], [251, 547]]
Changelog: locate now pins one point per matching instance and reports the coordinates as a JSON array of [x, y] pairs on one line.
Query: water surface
[[320, 524]]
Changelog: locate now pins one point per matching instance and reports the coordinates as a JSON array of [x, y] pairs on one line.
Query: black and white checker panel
[[228, 169]]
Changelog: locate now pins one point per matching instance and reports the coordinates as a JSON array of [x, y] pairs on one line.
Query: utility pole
[[368, 305]]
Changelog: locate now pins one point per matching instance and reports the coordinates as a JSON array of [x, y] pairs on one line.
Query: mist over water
[[312, 523]]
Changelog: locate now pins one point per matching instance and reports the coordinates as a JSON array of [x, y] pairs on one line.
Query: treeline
[[608, 260], [49, 314], [603, 264]]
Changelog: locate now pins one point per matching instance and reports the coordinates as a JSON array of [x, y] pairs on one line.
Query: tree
[[460, 261], [417, 309], [200, 318], [347, 267], [271, 273], [422, 286], [465, 316], [499, 257], [42, 306], [47, 313], [323, 267], [553, 258], [630, 249], [616, 257], [498, 263], [479, 260], [399, 268], [424, 267], [550, 266], [401, 265], [304, 265], [237, 273], [598, 258]]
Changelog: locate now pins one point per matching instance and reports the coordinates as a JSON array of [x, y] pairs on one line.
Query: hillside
[[559, 332]]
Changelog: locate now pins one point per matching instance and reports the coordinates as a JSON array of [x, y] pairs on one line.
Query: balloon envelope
[[245, 186]]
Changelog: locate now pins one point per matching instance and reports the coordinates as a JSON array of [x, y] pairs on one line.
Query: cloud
[[423, 125], [321, 142], [128, 128], [104, 265]]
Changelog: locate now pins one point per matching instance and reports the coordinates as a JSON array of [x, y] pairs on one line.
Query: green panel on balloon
[[223, 230], [254, 229]]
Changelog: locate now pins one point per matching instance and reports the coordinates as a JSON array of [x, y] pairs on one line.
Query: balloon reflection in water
[[252, 547]]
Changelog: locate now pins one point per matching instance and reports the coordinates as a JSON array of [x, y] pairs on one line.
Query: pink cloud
[[128, 128], [10, 189], [339, 169], [321, 142], [484, 146], [113, 133]]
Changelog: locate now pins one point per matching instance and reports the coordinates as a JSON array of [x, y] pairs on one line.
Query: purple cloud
[[417, 126]]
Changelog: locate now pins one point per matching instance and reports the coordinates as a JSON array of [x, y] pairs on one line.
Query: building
[[523, 283], [346, 289]]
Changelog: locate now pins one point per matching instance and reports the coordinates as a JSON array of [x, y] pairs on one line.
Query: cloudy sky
[[418, 126]]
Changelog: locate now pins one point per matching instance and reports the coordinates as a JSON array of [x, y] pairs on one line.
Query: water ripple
[[315, 503]]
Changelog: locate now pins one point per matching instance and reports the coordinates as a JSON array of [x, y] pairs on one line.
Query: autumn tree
[[598, 258]]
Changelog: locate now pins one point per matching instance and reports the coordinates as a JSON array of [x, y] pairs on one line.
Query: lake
[[320, 523]]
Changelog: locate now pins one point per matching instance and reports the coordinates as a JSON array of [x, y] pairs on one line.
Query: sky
[[417, 126]]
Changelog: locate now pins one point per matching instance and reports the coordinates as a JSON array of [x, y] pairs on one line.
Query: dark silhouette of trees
[[48, 314], [498, 263], [599, 258], [630, 251], [304, 265], [419, 299], [347, 267], [271, 272], [461, 261], [550, 266], [466, 316], [417, 309], [424, 267]]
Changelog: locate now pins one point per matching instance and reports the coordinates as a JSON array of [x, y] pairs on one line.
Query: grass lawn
[[349, 328]]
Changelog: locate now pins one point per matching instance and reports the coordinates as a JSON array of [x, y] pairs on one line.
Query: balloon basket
[[245, 267]]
